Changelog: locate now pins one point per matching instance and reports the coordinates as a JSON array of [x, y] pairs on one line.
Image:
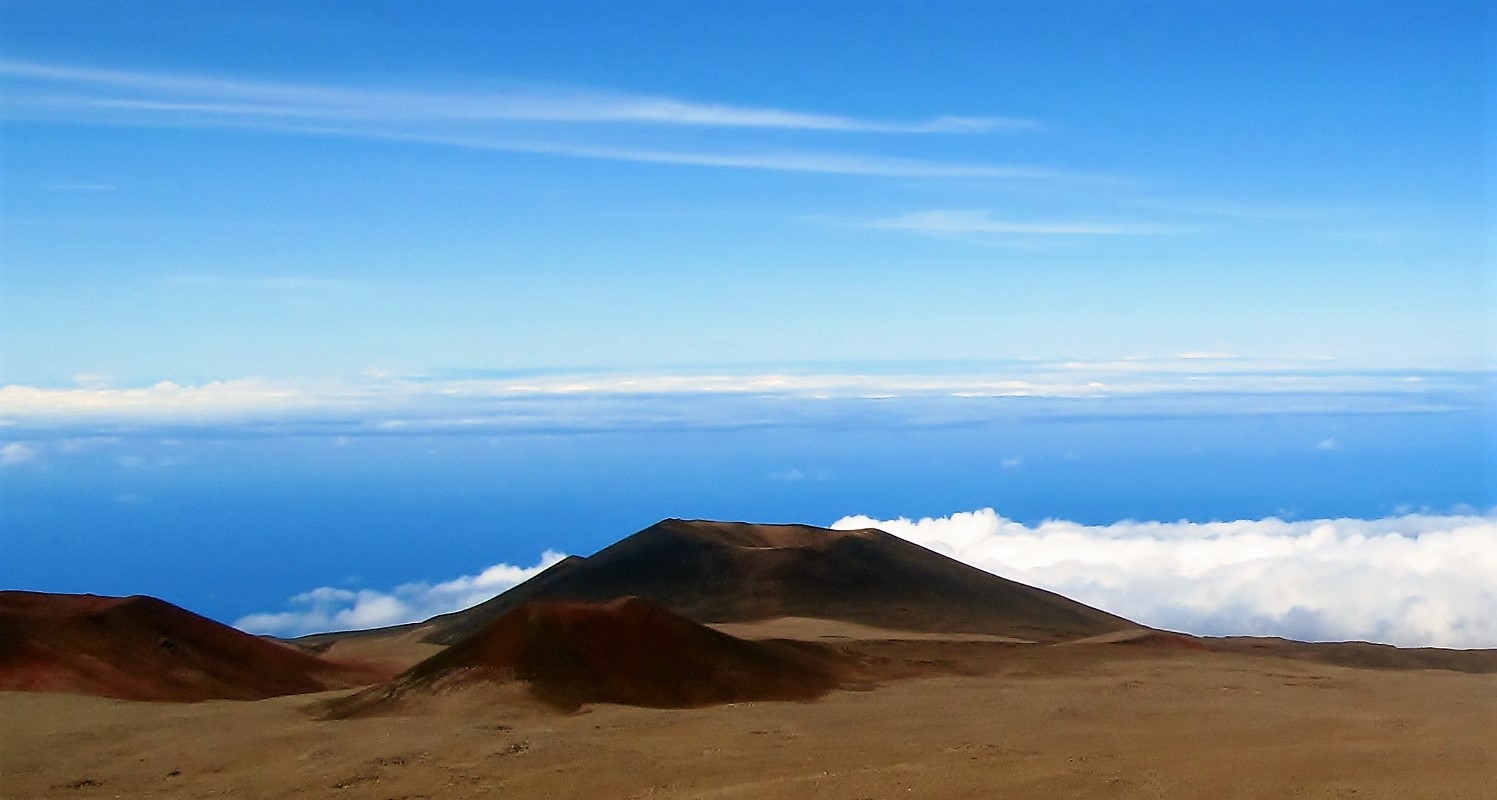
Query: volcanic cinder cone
[[628, 651], [142, 648], [715, 572]]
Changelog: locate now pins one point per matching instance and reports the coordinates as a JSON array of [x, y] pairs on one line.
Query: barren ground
[[1004, 720]]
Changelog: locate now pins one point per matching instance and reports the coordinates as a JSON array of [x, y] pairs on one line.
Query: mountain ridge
[[721, 572]]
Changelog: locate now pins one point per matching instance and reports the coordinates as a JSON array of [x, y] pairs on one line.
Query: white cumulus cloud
[[1411, 580], [328, 608]]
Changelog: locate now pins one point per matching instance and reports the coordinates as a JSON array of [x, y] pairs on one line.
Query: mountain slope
[[142, 648], [628, 651], [736, 572]]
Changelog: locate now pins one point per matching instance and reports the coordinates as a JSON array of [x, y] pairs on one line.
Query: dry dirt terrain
[[701, 659], [972, 718]]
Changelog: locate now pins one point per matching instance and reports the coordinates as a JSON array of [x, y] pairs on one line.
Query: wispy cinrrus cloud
[[541, 120], [946, 222], [81, 88]]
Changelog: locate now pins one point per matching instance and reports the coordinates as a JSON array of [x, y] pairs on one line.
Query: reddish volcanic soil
[[629, 651], [141, 648]]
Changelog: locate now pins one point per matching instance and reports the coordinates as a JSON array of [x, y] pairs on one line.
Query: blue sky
[[358, 303], [279, 190]]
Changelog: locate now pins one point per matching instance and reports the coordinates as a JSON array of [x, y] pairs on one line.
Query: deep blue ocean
[[227, 525]]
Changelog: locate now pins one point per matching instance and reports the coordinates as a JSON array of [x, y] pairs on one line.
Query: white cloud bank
[[385, 404], [1416, 580], [1413, 580], [328, 608]]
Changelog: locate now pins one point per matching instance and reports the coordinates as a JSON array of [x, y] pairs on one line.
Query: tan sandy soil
[[1046, 722], [390, 654]]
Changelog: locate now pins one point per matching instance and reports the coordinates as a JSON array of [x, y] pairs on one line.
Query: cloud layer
[[1413, 580], [1190, 384], [329, 608]]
